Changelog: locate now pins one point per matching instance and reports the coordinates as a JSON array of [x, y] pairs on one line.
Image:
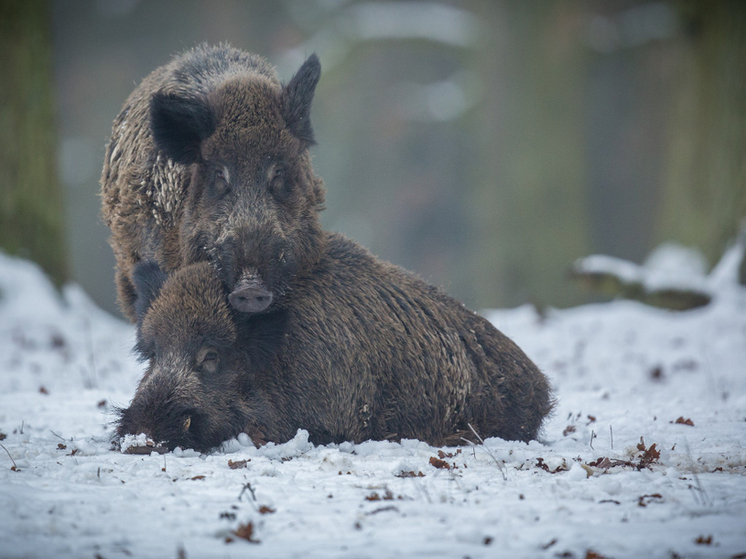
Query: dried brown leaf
[[238, 464], [682, 421], [410, 474], [387, 496], [246, 532], [198, 477], [549, 544], [264, 509], [704, 540], [443, 455], [61, 446], [441, 464], [43, 390], [544, 466], [569, 429], [645, 499]]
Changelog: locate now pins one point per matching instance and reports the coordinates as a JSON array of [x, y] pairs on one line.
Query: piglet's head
[[191, 394]]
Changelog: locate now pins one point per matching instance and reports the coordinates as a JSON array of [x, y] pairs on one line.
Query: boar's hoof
[[250, 296]]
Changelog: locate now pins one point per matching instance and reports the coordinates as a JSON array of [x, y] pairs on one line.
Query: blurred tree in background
[[31, 216], [704, 184], [484, 144]]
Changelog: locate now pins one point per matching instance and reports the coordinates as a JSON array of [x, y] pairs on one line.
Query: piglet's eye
[[210, 356]]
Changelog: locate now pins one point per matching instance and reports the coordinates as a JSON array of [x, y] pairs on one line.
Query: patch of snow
[[623, 373]]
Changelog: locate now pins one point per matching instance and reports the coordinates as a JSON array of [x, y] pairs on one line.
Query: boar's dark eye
[[278, 181], [207, 360], [222, 182]]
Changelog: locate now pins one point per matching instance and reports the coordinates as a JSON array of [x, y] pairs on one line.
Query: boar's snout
[[255, 264], [251, 296]]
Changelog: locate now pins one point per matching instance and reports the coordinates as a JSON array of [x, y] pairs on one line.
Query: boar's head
[[198, 389], [253, 199]]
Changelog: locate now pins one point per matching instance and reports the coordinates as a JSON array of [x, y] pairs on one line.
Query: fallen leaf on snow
[[410, 474], [246, 532], [645, 499], [387, 496], [442, 464], [544, 466], [549, 544]]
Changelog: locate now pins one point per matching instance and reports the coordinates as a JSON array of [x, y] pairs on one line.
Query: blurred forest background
[[484, 144]]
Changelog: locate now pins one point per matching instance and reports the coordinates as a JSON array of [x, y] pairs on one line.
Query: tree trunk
[[529, 185], [31, 222], [704, 186]]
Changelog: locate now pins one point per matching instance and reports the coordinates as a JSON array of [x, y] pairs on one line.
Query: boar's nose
[[250, 296]]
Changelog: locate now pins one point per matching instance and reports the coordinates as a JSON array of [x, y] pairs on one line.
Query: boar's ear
[[148, 279], [297, 98], [179, 125]]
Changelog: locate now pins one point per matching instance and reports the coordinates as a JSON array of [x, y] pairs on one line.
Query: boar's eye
[[277, 181], [207, 360], [222, 181]]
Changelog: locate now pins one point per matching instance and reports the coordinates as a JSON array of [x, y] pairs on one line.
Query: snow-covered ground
[[623, 373]]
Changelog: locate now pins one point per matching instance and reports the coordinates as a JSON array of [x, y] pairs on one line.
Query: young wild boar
[[198, 390], [357, 350], [208, 159]]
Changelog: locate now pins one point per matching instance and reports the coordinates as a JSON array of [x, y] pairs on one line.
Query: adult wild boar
[[359, 349], [208, 160]]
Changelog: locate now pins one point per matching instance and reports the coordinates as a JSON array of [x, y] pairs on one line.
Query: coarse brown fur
[[359, 349], [208, 159]]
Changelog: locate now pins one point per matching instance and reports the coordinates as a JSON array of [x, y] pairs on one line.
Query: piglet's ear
[[148, 279], [298, 95], [179, 125]]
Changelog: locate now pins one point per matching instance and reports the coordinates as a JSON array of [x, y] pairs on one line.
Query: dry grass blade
[[481, 440], [14, 467]]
